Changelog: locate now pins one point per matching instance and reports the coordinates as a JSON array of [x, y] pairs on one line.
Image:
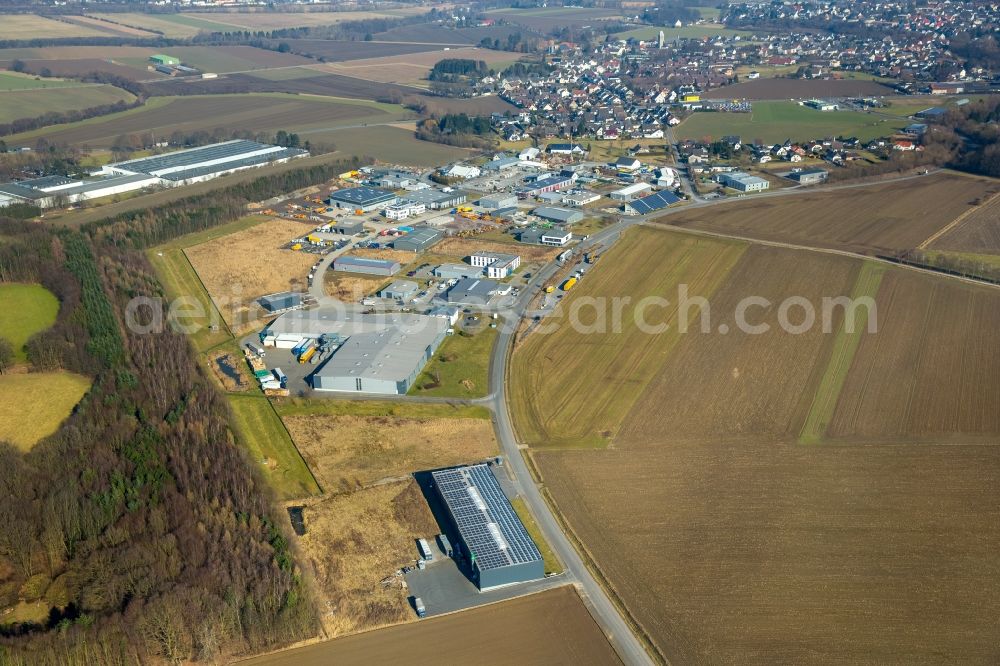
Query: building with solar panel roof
[[492, 537]]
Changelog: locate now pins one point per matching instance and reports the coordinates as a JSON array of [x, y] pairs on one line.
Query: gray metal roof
[[366, 262], [196, 171], [472, 290], [219, 153], [362, 196], [419, 238], [558, 214], [485, 519], [430, 196]]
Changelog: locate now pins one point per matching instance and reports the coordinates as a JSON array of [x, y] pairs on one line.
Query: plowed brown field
[[882, 218], [979, 233], [731, 542], [551, 627], [932, 370]]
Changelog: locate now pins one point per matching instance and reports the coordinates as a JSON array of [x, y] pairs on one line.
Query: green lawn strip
[[773, 121], [28, 309], [260, 429], [459, 360], [552, 563], [413, 410], [844, 346]]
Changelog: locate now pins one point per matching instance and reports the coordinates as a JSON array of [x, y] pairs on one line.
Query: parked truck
[[445, 545], [425, 550], [307, 354], [549, 289], [418, 604], [569, 284], [281, 377]]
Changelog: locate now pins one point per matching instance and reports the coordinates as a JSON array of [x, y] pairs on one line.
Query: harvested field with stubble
[[553, 372], [774, 88], [347, 452], [884, 218], [32, 26], [796, 498], [355, 540], [979, 233], [552, 627], [933, 369], [332, 50], [241, 267]]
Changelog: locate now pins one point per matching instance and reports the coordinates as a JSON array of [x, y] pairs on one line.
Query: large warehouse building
[[365, 199], [491, 536], [376, 353], [181, 167]]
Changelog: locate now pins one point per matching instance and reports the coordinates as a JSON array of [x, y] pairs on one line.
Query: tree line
[[140, 523]]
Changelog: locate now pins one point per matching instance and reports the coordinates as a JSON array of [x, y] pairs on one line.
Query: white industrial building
[[181, 167], [373, 353], [631, 192], [403, 210], [744, 182], [496, 264]]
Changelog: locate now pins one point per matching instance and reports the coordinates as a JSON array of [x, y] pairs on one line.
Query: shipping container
[[307, 354], [568, 284], [280, 376], [445, 545], [260, 374]]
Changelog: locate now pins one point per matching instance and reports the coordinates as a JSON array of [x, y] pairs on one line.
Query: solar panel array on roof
[[485, 519], [653, 202], [214, 154]]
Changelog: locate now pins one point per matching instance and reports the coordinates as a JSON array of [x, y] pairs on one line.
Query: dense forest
[[140, 523]]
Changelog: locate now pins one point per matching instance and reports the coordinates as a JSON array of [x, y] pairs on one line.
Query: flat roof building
[[437, 199], [498, 265], [400, 290], [348, 227], [492, 538], [559, 215], [808, 176], [473, 291], [362, 198], [456, 271], [546, 184], [495, 201], [205, 162], [280, 301], [556, 236], [744, 182], [501, 164], [630, 192], [418, 240], [160, 59], [366, 265]]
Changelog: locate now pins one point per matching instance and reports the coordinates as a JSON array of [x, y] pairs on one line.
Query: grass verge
[[414, 410], [552, 563], [263, 433]]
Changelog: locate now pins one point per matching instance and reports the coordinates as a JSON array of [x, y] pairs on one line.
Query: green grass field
[[33, 405], [552, 563], [772, 122], [17, 81], [25, 103], [686, 32], [262, 432], [844, 346], [28, 309], [460, 367], [180, 280], [412, 410], [170, 25], [389, 144]]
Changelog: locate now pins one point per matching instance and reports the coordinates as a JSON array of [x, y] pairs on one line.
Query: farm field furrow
[[886, 218], [413, 68], [551, 627], [573, 389], [851, 329], [729, 551], [163, 116], [740, 383], [979, 233], [932, 371]]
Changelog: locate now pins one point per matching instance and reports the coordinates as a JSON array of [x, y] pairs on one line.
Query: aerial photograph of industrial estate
[[621, 332]]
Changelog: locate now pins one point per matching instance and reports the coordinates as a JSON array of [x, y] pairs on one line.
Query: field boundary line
[[824, 250], [208, 294], [957, 221], [602, 579]]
